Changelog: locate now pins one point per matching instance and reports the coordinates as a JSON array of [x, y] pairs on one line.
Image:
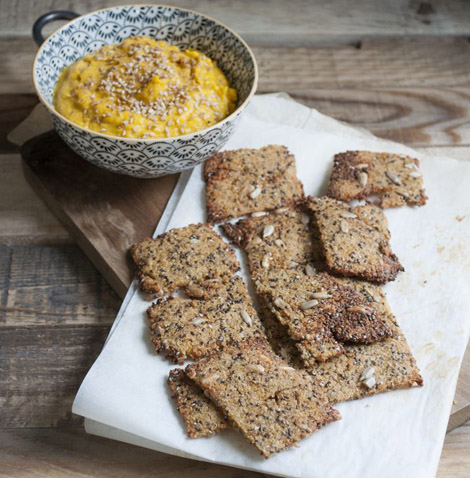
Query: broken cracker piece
[[201, 417], [365, 370], [320, 314], [271, 403]]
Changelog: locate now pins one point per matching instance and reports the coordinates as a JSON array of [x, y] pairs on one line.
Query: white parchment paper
[[396, 434]]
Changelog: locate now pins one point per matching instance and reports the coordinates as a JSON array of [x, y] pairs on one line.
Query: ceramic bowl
[[143, 158]]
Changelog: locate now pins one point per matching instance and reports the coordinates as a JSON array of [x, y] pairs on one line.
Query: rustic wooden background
[[399, 68]]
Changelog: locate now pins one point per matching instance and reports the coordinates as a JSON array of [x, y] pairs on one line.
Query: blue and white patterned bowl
[[143, 158]]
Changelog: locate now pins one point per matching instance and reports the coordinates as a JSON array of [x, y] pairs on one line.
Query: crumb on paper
[[459, 218], [429, 347]]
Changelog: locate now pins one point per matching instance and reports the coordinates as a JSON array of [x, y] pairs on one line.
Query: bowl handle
[[43, 20]]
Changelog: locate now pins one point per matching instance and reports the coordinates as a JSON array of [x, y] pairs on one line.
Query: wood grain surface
[[401, 69], [374, 63], [301, 21], [53, 286], [59, 452], [105, 213]]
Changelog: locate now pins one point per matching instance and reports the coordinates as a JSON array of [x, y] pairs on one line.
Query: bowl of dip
[[143, 90]]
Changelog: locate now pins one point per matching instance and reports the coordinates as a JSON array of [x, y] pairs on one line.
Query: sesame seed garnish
[[139, 82]]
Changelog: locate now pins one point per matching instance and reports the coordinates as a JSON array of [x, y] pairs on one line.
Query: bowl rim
[[230, 117]]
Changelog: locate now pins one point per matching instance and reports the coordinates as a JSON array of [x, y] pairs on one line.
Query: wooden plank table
[[402, 72]]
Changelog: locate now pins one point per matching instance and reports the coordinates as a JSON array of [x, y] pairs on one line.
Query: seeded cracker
[[244, 181], [272, 404], [184, 258], [320, 314], [200, 415], [282, 239], [341, 375], [279, 339], [394, 178], [355, 240], [365, 370], [190, 328]]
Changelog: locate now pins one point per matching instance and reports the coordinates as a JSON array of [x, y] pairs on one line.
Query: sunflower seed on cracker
[[393, 177], [321, 295], [246, 317], [309, 270], [368, 372], [369, 382], [255, 193], [308, 304], [386, 181], [344, 226], [363, 177], [268, 231]]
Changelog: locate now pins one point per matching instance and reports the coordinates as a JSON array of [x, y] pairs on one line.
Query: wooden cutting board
[[107, 212]]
